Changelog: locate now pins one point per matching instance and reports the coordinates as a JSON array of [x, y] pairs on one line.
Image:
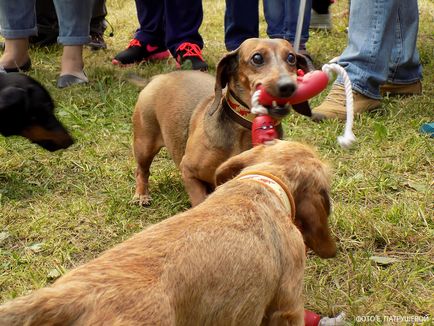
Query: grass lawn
[[59, 210]]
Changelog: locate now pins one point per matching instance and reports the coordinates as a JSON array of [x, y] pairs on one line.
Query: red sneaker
[[190, 54], [136, 52]]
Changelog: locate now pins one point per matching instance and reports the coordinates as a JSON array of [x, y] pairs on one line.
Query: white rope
[[256, 107], [347, 139], [339, 320]]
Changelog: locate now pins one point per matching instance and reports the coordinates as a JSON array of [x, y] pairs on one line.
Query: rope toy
[[313, 319], [348, 138], [308, 86]]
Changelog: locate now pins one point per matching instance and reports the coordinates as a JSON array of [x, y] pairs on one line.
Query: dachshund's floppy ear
[[311, 217], [225, 68], [10, 97], [13, 110], [304, 63]]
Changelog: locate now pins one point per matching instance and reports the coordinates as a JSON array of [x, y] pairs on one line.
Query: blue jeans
[[382, 45], [18, 20], [242, 20], [282, 16]]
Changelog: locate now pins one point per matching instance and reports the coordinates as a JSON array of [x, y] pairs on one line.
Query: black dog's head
[[26, 109]]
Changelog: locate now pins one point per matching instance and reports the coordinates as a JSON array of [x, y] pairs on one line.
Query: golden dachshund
[[236, 259], [202, 125]]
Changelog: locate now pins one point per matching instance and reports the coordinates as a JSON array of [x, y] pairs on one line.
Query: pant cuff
[[18, 33], [73, 40]]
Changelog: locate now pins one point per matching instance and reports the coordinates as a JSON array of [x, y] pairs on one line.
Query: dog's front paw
[[141, 200]]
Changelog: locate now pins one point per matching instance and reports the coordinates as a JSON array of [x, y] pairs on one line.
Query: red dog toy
[[311, 318], [308, 86], [263, 129]]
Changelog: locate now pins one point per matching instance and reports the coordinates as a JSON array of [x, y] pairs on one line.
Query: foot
[[16, 56], [25, 67], [97, 42], [71, 79], [141, 200], [334, 106], [189, 56], [138, 52], [320, 21], [401, 89]]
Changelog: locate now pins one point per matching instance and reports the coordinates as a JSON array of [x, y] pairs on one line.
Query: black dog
[[26, 109]]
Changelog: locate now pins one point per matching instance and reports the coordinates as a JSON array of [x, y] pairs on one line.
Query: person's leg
[[183, 20], [320, 15], [371, 37], [17, 23], [282, 17], [151, 19], [241, 22], [321, 6], [97, 22], [149, 40], [405, 69], [98, 25], [48, 27], [74, 21]]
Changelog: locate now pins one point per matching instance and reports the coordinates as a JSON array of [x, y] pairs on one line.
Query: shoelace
[[191, 50], [134, 42]]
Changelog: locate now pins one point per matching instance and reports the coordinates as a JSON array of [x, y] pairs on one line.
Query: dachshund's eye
[[291, 59], [258, 59]]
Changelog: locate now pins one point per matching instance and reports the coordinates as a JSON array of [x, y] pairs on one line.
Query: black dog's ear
[[225, 68], [10, 98], [304, 63]]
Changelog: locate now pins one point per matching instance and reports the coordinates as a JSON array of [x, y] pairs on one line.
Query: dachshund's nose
[[285, 87]]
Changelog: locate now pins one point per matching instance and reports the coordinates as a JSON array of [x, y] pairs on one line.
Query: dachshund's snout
[[285, 87]]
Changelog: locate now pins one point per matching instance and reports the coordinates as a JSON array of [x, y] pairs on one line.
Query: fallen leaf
[[4, 235], [383, 260], [420, 187], [36, 247], [54, 273]]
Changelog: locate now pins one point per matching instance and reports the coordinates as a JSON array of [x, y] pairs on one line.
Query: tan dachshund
[[236, 259], [200, 124]]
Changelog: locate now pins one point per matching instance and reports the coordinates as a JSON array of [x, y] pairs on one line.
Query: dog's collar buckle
[[276, 185]]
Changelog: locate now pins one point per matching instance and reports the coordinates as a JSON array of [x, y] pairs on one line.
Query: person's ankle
[[72, 61], [15, 54]]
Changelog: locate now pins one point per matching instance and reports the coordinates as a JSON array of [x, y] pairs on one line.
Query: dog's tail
[[48, 306], [136, 80]]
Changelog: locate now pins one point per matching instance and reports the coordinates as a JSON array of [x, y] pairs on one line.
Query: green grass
[[59, 210]]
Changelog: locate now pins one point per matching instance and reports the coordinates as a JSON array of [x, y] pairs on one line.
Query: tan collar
[[238, 107], [276, 185]]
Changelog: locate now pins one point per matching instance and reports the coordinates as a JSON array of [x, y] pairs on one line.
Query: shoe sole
[[153, 57]]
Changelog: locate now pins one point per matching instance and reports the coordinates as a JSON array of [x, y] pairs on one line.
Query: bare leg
[[72, 61], [16, 53]]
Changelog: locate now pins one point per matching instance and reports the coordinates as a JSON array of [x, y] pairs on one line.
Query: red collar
[[239, 108]]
